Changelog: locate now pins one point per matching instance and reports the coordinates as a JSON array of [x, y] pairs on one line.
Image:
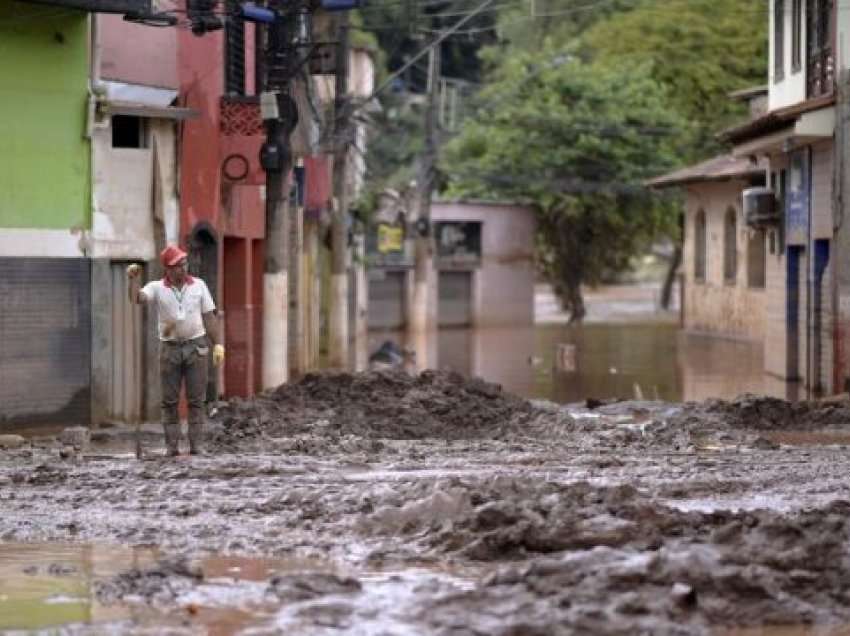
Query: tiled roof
[[721, 168]]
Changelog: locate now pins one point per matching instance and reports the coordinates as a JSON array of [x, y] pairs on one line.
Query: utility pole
[[286, 44], [338, 340], [841, 227], [418, 322]]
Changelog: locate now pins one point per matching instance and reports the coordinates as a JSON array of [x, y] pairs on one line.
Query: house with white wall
[[133, 120]]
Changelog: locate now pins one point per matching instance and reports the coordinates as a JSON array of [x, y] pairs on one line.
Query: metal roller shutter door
[[45, 341], [386, 301], [455, 291]]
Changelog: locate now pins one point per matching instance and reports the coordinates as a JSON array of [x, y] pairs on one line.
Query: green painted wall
[[44, 155]]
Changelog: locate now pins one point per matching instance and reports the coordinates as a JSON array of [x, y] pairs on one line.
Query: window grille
[[699, 247], [730, 247]]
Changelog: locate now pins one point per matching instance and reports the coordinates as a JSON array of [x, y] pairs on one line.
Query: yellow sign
[[390, 239]]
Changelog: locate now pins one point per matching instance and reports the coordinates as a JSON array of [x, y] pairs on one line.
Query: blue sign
[[798, 198]]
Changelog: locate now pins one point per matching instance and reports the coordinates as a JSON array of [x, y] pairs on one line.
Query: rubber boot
[[196, 438], [172, 440]]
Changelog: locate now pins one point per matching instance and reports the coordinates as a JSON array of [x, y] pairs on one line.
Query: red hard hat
[[171, 255]]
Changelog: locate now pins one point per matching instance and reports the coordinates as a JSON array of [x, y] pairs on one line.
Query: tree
[[700, 50], [575, 141]]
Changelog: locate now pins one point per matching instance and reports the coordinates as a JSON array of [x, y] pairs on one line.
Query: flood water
[[564, 363]]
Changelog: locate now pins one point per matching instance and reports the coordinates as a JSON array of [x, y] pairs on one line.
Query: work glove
[[133, 270], [218, 354]]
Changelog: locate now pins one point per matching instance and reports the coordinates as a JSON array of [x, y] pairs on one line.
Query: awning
[[145, 110], [775, 120], [143, 101], [808, 128], [720, 168]]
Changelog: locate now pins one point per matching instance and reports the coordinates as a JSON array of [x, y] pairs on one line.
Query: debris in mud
[[11, 441], [294, 588], [41, 475], [77, 437], [377, 404], [158, 585]]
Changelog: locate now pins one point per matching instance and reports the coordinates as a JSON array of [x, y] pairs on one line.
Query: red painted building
[[221, 188]]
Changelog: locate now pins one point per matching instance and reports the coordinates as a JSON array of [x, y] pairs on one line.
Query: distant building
[[804, 318], [483, 265]]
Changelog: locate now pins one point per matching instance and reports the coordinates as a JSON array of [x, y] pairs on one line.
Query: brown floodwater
[[563, 363]]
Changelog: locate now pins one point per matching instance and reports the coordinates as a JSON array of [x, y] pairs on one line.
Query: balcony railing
[[820, 73]]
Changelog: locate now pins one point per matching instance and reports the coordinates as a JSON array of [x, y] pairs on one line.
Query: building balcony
[[820, 73]]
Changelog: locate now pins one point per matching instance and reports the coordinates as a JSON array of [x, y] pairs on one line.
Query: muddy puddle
[[112, 589], [383, 503]]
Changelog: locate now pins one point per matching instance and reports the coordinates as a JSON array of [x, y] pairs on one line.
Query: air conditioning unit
[[760, 207]]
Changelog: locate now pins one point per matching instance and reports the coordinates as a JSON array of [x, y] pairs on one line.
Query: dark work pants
[[178, 360]]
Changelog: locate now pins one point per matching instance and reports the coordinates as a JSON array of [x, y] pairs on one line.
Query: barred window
[[778, 40], [730, 246], [699, 247], [756, 260], [234, 52], [796, 35]]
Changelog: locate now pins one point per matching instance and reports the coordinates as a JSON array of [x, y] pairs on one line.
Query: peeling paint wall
[[123, 194], [715, 305]]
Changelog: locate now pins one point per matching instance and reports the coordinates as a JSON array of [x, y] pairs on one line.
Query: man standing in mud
[[187, 324]]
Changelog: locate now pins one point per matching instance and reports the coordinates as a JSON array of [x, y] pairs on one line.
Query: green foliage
[[701, 50], [581, 103], [575, 141]]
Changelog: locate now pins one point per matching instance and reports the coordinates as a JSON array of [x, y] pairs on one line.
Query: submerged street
[[380, 503]]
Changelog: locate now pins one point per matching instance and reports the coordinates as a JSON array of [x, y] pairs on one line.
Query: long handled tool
[[136, 389]]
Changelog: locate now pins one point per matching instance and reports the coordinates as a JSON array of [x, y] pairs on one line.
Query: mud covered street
[[380, 503]]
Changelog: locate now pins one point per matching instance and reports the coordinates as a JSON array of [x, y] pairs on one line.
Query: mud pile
[[375, 405], [745, 419], [613, 561]]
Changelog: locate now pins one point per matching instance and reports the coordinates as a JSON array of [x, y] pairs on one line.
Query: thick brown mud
[[438, 505]]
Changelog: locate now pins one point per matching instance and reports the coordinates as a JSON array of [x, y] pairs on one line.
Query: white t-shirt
[[180, 309]]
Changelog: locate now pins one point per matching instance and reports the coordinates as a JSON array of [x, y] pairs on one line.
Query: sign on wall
[[798, 198], [385, 244], [101, 6], [458, 242]]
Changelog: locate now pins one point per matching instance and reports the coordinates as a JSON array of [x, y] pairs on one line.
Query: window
[[778, 40], [820, 63], [129, 132], [756, 259], [234, 53], [699, 247], [796, 35], [730, 247]]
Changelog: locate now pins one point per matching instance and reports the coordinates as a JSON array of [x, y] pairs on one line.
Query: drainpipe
[[97, 89]]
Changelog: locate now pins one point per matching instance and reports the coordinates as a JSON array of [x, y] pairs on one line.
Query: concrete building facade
[[796, 137], [724, 263], [135, 210], [483, 265], [45, 217], [799, 315]]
